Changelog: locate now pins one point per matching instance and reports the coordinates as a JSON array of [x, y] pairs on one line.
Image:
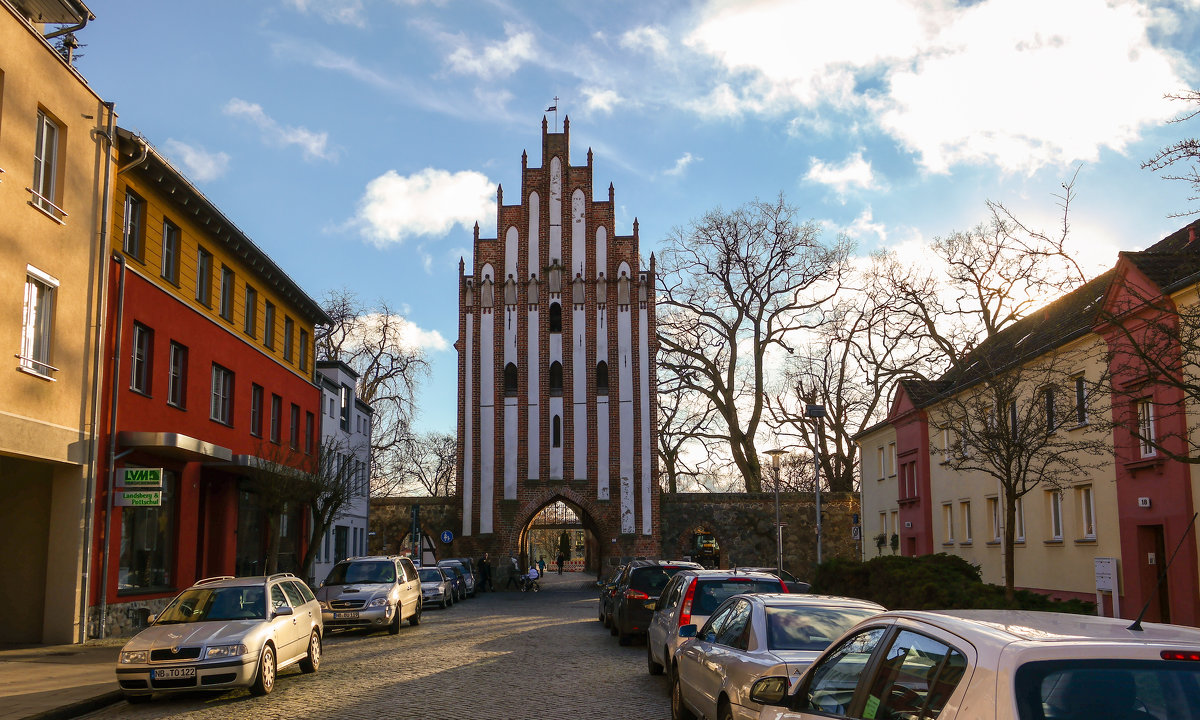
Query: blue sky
[[358, 141]]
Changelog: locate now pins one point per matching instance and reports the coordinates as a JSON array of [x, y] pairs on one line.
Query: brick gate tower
[[556, 368]]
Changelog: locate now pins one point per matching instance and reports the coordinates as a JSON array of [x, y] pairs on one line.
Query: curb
[[81, 707]]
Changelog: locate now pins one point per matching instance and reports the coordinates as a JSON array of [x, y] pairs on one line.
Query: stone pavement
[[57, 681], [498, 655]]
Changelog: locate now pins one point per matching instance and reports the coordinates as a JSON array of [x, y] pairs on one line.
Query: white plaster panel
[[625, 417], [555, 209], [511, 441], [556, 453], [644, 399], [533, 373], [578, 235], [601, 251], [579, 393], [602, 458], [535, 240], [511, 243], [468, 468], [487, 422]]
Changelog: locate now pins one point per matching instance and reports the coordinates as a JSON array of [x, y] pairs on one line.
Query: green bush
[[928, 582]]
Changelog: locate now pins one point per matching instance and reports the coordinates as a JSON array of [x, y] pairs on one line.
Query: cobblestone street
[[498, 655]]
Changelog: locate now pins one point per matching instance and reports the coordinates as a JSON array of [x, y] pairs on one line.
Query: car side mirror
[[283, 610], [687, 631], [769, 691]]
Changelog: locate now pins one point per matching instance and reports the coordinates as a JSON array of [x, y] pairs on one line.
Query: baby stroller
[[529, 581]]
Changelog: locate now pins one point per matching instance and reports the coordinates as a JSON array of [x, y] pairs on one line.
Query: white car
[[753, 636], [996, 665], [222, 633]]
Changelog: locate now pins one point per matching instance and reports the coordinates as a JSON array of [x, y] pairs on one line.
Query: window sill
[[1079, 426], [948, 544], [1053, 543], [47, 213], [178, 407], [1144, 462], [1085, 541], [992, 543], [36, 374], [220, 422], [966, 543], [143, 393]]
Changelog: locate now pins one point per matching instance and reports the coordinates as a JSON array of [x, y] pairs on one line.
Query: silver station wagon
[[222, 633]]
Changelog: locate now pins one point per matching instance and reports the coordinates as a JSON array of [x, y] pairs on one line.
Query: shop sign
[[140, 478], [138, 498]]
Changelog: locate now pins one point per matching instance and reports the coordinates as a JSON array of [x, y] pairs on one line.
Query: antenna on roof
[[554, 108], [1137, 624]]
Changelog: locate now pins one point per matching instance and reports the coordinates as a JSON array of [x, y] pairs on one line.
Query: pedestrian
[[514, 573], [542, 566], [485, 574], [560, 563]]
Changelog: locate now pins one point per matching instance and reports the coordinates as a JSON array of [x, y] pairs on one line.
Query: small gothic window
[[556, 378], [555, 318], [601, 378], [510, 379], [556, 432]]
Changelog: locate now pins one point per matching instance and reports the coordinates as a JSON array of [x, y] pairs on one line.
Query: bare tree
[[732, 287], [333, 480], [1183, 154], [685, 434], [424, 463], [371, 340]]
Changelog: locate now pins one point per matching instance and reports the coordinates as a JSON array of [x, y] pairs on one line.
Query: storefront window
[[147, 543]]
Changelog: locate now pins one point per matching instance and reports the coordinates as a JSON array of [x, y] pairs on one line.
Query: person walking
[[485, 574], [514, 573], [542, 565], [560, 563]]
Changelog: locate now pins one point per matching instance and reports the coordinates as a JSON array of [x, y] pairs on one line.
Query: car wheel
[[138, 699], [416, 616], [445, 602], [654, 668], [394, 628], [679, 711], [264, 679], [312, 661], [607, 620], [724, 711], [601, 613]]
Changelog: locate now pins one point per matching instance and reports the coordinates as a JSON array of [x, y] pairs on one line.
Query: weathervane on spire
[[554, 108]]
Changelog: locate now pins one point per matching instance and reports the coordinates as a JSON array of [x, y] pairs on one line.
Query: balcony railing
[[42, 203]]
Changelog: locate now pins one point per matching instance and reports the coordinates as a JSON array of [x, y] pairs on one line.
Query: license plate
[[345, 616], [173, 673]]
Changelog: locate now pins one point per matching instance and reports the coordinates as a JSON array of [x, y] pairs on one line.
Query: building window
[[510, 379], [288, 329], [1013, 426], [177, 376], [256, 409], [147, 548], [276, 417], [1080, 401], [1087, 512], [966, 520], [556, 432], [250, 320], [295, 432], [1146, 434], [881, 459], [556, 378], [1054, 499], [143, 351], [135, 223], [948, 521], [345, 396], [170, 253], [1019, 519], [222, 395], [37, 324], [303, 350], [269, 325], [891, 459], [227, 292], [993, 509], [45, 165], [946, 444], [1048, 399], [883, 524], [309, 425], [601, 378], [204, 267], [555, 318]]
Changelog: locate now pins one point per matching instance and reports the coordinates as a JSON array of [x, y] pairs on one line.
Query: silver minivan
[[371, 593]]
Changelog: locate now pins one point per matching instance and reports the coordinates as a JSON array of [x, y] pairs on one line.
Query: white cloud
[[197, 163], [313, 144], [852, 172], [681, 164], [344, 12], [1017, 84], [645, 38], [407, 333], [430, 202], [602, 101], [498, 59]]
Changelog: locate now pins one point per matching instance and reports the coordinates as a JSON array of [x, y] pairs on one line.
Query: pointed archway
[[555, 511]]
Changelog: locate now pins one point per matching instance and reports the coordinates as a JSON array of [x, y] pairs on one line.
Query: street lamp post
[[818, 412], [778, 526]]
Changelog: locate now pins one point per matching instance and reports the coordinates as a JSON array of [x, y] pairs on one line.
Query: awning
[[173, 445], [55, 12], [250, 464]]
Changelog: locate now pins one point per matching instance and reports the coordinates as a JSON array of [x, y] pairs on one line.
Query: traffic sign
[[447, 537], [856, 532]]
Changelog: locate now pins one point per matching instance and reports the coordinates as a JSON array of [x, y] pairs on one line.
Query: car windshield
[[452, 569], [711, 593], [651, 580], [222, 603], [809, 628], [1142, 689], [362, 572], [431, 575]]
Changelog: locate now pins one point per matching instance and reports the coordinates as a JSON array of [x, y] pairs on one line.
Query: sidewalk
[[57, 681]]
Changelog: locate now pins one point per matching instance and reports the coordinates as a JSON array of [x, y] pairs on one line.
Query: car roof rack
[[218, 578], [281, 576]]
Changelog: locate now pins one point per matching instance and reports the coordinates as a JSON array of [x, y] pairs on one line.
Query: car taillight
[[783, 585], [632, 594], [1180, 655], [685, 612]]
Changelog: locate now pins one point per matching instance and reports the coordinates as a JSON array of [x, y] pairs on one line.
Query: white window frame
[[948, 521], [965, 505], [228, 284], [177, 375], [1080, 401], [1056, 519], [892, 460], [1146, 429], [45, 166], [141, 355], [134, 241], [1051, 408], [172, 243], [221, 405], [1019, 535], [1087, 512], [37, 323], [993, 504], [880, 454]]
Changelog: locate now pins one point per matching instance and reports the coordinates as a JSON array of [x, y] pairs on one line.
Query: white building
[[346, 423]]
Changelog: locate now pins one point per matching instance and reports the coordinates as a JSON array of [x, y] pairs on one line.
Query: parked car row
[[227, 632]]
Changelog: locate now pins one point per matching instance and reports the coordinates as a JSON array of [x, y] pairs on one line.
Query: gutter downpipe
[[84, 16], [89, 523], [112, 447]]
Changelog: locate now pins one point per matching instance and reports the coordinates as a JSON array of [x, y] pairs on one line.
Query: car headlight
[[324, 605], [134, 656], [224, 651], [378, 602]]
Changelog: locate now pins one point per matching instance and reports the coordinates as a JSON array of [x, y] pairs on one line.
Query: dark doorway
[[1151, 563], [341, 543]]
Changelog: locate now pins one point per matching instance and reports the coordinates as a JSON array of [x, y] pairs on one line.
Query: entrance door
[[1151, 564], [341, 543]]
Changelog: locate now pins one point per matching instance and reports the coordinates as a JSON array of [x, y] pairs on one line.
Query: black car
[[790, 581], [640, 582], [455, 573], [608, 591]]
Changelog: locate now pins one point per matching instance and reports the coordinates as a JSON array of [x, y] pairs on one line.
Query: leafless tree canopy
[[1179, 160], [732, 286], [685, 434], [426, 463]]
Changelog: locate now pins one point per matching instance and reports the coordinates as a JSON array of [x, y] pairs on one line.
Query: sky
[[358, 141]]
